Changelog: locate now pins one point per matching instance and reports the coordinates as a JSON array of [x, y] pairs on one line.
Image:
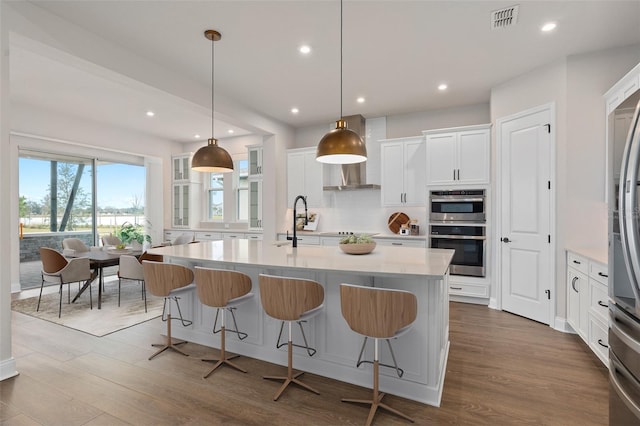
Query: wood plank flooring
[[502, 370]]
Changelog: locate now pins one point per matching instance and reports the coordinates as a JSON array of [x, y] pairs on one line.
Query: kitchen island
[[421, 353]]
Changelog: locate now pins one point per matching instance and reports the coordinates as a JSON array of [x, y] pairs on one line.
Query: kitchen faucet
[[294, 239]]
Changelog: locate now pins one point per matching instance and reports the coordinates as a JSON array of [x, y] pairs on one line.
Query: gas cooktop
[[344, 233]]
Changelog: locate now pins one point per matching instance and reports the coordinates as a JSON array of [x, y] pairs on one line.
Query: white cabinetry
[[185, 192], [399, 242], [403, 171], [458, 156], [304, 177], [255, 204], [255, 160], [587, 302], [255, 187]]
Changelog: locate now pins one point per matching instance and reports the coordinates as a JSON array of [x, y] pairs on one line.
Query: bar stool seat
[[377, 313], [291, 299], [224, 290]]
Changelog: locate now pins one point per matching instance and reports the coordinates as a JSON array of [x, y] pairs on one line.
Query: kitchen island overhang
[[421, 353]]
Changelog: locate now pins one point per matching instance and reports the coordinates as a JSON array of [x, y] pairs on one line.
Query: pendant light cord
[[340, 59], [213, 70]]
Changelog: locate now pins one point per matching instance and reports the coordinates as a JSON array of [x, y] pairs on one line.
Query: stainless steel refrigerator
[[624, 287]]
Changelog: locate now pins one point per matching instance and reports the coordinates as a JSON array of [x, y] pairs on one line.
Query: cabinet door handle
[[458, 174], [603, 275], [454, 174], [576, 262], [396, 244], [604, 305], [573, 284], [602, 344], [455, 288]]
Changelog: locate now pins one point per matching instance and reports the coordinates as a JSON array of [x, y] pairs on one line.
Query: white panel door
[[526, 274], [473, 156], [441, 158], [414, 173], [392, 173]]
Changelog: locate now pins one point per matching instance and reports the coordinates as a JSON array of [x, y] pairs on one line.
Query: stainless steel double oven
[[458, 221]]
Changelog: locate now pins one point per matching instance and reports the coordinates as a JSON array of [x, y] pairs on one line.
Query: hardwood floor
[[502, 370]]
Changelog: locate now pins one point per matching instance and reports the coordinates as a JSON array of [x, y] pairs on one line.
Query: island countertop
[[384, 260]]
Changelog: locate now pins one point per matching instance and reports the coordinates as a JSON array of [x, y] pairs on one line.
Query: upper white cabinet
[[181, 168], [185, 194], [255, 160], [403, 171], [458, 156], [304, 176]]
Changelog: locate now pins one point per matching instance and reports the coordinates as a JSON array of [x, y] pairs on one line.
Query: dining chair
[[111, 240], [56, 269], [130, 268], [162, 279], [74, 244]]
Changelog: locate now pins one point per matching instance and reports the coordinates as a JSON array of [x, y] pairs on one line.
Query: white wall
[[400, 126], [576, 85], [589, 77]]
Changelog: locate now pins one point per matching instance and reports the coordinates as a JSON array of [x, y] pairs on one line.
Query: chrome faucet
[[294, 239]]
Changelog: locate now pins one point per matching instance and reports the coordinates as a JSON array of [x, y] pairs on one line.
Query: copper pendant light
[[341, 145], [212, 158]]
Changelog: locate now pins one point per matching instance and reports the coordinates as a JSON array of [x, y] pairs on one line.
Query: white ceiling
[[395, 55]]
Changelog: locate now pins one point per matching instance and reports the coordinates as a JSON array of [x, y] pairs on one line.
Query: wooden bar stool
[[380, 314], [224, 290], [290, 299], [161, 279]]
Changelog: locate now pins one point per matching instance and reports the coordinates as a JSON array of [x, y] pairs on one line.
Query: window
[[228, 194], [216, 197]]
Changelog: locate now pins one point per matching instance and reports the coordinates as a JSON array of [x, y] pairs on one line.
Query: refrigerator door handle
[[618, 369]]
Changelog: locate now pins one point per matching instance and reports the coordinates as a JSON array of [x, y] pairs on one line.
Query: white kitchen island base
[[421, 353]]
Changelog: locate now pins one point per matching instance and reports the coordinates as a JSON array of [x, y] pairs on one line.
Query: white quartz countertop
[[384, 260], [598, 254]]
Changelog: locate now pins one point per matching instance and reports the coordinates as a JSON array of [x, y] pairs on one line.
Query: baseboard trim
[[8, 369], [561, 324]]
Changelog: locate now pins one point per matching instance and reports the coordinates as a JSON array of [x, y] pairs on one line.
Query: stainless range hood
[[351, 176]]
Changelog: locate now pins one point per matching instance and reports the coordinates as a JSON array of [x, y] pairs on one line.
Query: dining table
[[98, 260]]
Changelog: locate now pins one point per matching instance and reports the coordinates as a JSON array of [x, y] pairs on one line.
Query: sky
[[118, 184]]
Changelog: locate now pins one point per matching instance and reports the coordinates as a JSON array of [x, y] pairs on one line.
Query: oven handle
[[455, 200], [459, 237]]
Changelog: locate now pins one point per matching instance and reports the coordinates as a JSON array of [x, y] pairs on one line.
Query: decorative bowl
[[359, 248]]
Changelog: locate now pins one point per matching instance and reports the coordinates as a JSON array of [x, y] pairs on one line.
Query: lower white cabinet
[[399, 242], [588, 302]]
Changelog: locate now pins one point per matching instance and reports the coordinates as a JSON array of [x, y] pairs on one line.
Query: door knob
[[505, 240]]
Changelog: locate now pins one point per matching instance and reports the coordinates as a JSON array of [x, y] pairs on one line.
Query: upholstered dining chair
[[377, 313], [161, 279], [130, 268], [56, 269], [110, 240], [74, 244], [288, 300]]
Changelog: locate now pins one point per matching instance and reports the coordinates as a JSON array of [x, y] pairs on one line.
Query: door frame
[[495, 302]]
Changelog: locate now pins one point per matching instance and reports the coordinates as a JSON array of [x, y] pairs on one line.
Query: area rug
[[97, 322]]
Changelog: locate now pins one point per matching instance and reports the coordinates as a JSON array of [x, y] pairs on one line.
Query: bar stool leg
[[170, 344], [376, 401], [290, 378], [224, 359]]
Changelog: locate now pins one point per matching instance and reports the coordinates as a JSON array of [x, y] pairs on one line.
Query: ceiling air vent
[[504, 18]]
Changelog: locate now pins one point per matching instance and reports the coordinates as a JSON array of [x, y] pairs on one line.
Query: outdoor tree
[[81, 202]]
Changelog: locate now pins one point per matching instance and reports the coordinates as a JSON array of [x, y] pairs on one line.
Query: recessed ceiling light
[[442, 86], [230, 131], [360, 100], [196, 136], [304, 49], [548, 27], [150, 113], [294, 110]]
